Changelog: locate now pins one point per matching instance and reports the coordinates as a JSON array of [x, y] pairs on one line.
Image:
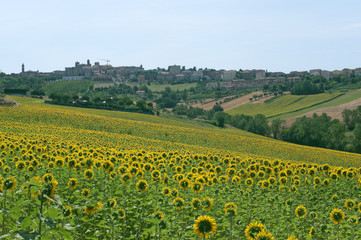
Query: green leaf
[[53, 212], [26, 222]]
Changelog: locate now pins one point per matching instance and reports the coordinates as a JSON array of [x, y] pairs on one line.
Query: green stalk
[[3, 225]]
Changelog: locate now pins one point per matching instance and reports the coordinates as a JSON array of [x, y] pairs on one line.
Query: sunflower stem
[[40, 216], [4, 213]]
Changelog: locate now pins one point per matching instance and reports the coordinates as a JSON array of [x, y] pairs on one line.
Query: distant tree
[[220, 118], [217, 108], [277, 128]]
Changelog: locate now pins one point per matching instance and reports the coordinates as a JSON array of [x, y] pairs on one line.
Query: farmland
[[77, 173], [284, 104]]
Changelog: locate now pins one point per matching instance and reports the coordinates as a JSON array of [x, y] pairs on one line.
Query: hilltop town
[[175, 74]]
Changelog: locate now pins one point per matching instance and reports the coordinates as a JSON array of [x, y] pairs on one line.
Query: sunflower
[[353, 219], [337, 215], [20, 165], [155, 174], [121, 213], [350, 204], [59, 162], [126, 177], [334, 177], [249, 182], [85, 192], [73, 182], [111, 203], [196, 203], [253, 229], [47, 178], [326, 182], [316, 181], [67, 211], [197, 187], [10, 183], [292, 238], [312, 231], [265, 184], [293, 189], [91, 209], [174, 192], [272, 181], [205, 226], [334, 197], [72, 163], [283, 180], [359, 207], [142, 185], [113, 175], [184, 183], [51, 165], [230, 209], [178, 203], [89, 174], [166, 191], [158, 215], [314, 215], [301, 211], [207, 203], [263, 235], [235, 180]]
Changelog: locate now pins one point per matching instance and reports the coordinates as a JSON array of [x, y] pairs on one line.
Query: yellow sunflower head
[[67, 211], [350, 204], [337, 216], [111, 203], [73, 183], [196, 203], [85, 192], [10, 184], [263, 235], [253, 229], [89, 174], [158, 215], [301, 211], [205, 226], [178, 203], [207, 203], [142, 185]]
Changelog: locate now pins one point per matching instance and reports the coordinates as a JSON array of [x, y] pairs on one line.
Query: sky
[[275, 35]]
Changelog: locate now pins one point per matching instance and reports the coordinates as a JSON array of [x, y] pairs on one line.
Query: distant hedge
[[15, 91]]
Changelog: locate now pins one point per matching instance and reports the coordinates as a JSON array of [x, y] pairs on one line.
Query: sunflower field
[[66, 174]]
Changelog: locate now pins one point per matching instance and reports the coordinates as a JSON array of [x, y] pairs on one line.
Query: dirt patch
[[8, 102], [209, 103], [244, 100], [333, 112]]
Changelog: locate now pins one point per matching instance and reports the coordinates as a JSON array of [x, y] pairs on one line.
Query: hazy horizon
[[276, 35]]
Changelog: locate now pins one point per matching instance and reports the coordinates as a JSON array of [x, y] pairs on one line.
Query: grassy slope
[[68, 87], [345, 98], [160, 87], [284, 104], [131, 131]]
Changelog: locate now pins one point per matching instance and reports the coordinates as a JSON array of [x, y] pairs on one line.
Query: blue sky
[[277, 35]]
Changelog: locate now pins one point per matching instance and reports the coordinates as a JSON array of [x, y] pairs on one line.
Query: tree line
[[317, 131]]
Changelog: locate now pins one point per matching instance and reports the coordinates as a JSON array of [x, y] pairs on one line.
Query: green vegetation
[[155, 87], [283, 104], [69, 87], [346, 97]]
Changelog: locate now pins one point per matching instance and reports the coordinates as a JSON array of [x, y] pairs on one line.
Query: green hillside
[[284, 104]]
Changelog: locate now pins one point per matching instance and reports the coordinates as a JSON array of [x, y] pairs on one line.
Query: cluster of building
[[230, 79]]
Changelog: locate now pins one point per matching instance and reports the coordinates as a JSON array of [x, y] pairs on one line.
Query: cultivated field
[[89, 174], [284, 104]]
